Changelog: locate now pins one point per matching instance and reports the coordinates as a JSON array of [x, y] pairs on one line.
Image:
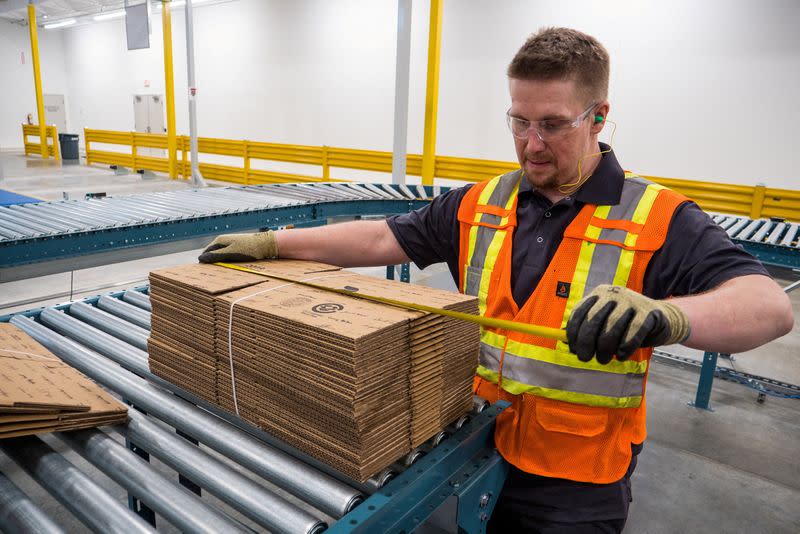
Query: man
[[567, 241]]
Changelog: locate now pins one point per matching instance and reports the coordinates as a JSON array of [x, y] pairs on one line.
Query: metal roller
[[790, 234], [111, 324], [106, 344], [175, 503], [749, 229], [11, 226], [240, 492], [727, 222], [19, 515], [479, 404], [125, 311], [138, 299], [458, 423], [320, 490], [50, 219], [11, 217], [95, 508], [776, 233], [380, 480], [408, 460], [736, 227], [389, 189], [759, 236]]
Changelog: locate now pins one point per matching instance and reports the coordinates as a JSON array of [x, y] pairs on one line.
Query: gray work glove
[[616, 320], [241, 247]]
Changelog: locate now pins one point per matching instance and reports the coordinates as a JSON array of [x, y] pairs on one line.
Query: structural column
[[432, 93], [37, 79], [169, 82], [399, 150]]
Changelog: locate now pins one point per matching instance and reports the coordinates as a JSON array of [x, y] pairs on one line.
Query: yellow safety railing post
[[25, 140], [759, 192], [37, 79], [86, 146], [56, 147], [326, 169], [134, 152], [432, 93], [186, 170], [169, 82], [246, 154]]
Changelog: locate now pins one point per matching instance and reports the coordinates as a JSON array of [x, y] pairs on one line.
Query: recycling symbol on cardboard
[[327, 308]]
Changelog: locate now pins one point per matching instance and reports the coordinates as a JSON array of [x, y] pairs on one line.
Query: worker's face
[[553, 162]]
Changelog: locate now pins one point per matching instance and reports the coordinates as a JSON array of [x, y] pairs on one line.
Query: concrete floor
[[734, 469]]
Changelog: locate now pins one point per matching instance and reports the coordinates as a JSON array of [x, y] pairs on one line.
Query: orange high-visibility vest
[[567, 419]]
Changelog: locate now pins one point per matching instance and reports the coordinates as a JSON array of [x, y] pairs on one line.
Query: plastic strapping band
[[230, 325]]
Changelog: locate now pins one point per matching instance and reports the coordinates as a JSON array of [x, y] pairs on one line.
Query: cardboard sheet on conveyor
[[40, 393], [354, 383]]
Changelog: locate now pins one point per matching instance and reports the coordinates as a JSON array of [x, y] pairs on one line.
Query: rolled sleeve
[[430, 234]]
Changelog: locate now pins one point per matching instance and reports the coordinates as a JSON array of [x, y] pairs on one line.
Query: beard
[[547, 176]]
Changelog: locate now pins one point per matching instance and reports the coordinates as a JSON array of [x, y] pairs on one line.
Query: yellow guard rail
[[35, 149], [751, 201]]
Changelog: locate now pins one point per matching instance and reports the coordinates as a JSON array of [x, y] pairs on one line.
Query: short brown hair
[[562, 54]]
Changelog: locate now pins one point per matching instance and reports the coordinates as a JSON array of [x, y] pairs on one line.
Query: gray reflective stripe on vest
[[563, 378], [484, 236], [632, 191], [605, 257]]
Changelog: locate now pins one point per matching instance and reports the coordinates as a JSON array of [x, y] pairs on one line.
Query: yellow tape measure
[[543, 331]]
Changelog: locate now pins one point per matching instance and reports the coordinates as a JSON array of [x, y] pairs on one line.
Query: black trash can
[[69, 145]]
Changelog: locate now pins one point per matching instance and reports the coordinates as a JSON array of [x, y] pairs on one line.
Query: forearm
[[353, 244], [739, 315]]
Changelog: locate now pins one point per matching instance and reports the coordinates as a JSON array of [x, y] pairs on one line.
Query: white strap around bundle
[[230, 325], [40, 356]]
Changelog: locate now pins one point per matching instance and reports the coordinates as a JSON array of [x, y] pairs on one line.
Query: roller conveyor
[[460, 462], [773, 241], [49, 237]]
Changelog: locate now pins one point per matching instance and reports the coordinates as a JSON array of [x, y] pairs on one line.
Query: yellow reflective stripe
[[473, 236], [587, 399], [486, 194], [582, 269], [494, 247], [624, 267], [483, 198], [646, 204], [640, 216], [486, 275], [510, 201], [487, 374], [558, 357]]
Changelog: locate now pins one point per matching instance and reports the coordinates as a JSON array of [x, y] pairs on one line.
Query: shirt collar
[[604, 186]]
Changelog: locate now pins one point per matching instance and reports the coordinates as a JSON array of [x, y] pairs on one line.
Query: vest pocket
[[572, 419]]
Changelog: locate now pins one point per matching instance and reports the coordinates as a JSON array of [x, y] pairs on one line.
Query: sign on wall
[[137, 26]]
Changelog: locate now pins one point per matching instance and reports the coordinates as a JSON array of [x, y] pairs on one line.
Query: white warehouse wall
[[17, 94], [702, 90]]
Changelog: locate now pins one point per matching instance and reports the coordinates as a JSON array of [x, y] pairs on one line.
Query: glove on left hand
[[616, 320]]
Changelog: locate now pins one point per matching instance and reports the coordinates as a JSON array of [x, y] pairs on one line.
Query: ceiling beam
[[13, 5]]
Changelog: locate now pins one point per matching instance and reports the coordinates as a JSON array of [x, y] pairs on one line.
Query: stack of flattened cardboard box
[[354, 383], [39, 393], [182, 345]]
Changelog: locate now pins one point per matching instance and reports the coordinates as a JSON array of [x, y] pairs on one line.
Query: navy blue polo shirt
[[697, 256]]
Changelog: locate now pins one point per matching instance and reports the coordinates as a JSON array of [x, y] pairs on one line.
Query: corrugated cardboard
[[40, 393], [349, 381]]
